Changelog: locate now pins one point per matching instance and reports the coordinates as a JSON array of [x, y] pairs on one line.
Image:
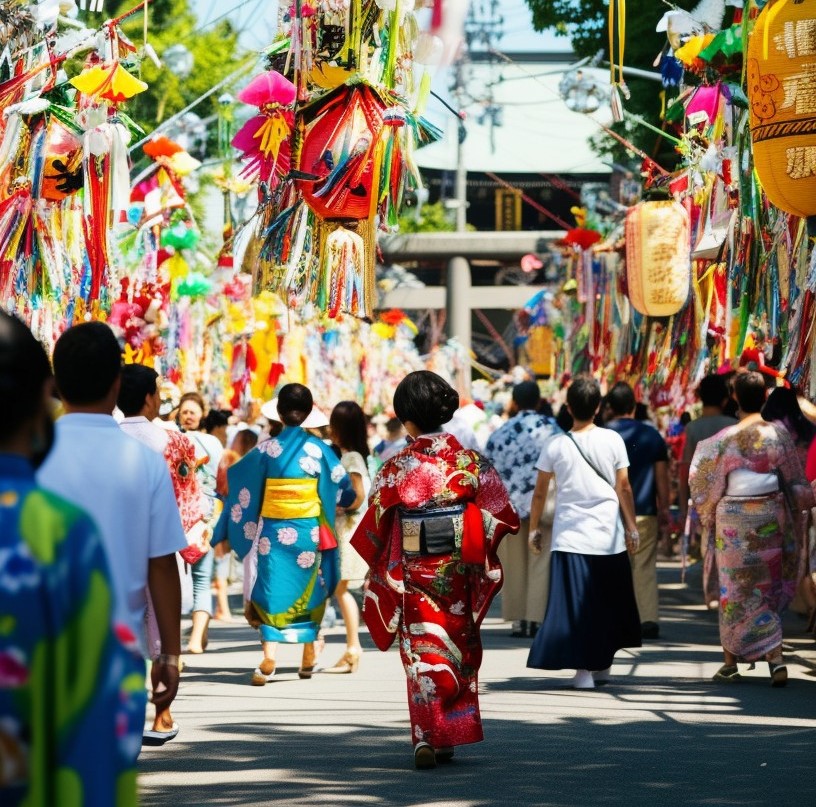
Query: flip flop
[[153, 737]]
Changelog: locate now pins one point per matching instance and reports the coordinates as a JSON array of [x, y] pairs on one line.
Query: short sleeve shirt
[[587, 519], [126, 488], [645, 447]]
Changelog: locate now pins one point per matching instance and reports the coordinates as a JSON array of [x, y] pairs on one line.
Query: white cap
[[315, 420]]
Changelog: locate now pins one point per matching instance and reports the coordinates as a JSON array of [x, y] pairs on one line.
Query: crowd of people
[[122, 509]]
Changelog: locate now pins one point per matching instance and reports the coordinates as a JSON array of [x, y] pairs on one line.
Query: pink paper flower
[[268, 88]]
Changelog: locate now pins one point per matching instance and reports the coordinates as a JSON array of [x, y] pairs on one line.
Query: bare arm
[[359, 492], [537, 507], [627, 506], [165, 592]]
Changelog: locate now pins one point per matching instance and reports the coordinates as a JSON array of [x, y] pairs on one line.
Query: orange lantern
[[658, 257], [782, 95]]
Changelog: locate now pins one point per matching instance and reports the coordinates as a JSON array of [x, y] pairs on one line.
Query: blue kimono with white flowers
[[280, 506]]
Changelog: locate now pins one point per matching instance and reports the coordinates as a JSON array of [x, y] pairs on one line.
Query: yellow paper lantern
[[658, 257], [782, 94]]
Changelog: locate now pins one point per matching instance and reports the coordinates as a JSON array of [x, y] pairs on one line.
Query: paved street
[[660, 734]]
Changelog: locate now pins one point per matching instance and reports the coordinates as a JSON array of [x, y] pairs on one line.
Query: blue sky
[[257, 20]]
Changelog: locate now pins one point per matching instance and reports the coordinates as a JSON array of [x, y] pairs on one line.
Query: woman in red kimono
[[430, 536]]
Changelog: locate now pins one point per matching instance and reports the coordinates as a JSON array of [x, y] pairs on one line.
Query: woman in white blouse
[[349, 433]]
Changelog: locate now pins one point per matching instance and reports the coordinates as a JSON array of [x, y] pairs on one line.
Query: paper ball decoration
[[658, 257], [782, 103]]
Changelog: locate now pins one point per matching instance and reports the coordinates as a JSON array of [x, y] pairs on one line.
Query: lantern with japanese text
[[782, 94], [658, 257]]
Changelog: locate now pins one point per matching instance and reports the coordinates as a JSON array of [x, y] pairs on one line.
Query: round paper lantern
[[782, 95], [658, 257]]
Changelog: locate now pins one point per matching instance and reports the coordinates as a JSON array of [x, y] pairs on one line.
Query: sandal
[[154, 737], [264, 673], [307, 662], [779, 674], [349, 663], [424, 757], [727, 673]]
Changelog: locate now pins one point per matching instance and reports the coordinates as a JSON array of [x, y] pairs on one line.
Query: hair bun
[[450, 403]]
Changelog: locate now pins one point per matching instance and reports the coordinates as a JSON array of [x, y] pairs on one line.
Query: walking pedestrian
[[126, 489], [591, 612], [347, 424], [714, 396], [209, 449], [514, 449], [139, 402], [437, 515], [649, 479], [279, 518], [749, 489], [70, 725]]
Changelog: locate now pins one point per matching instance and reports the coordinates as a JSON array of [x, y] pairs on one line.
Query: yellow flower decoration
[[691, 50], [108, 81]]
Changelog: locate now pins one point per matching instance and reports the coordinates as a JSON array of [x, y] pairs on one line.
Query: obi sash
[[290, 498], [443, 530]]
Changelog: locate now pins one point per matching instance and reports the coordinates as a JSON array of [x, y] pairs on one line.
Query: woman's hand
[[632, 538], [535, 542]]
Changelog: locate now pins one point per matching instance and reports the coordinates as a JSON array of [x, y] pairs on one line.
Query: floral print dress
[[759, 541], [435, 603], [295, 552], [72, 696]]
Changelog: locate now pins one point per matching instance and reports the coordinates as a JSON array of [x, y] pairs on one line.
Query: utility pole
[[482, 28]]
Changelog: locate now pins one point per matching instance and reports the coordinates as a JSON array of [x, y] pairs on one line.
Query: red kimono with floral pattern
[[435, 602]]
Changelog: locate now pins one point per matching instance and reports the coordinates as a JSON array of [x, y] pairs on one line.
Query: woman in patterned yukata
[[437, 515], [753, 500], [279, 513], [72, 698]]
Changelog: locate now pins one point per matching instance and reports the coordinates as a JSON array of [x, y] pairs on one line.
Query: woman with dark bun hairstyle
[[279, 518], [437, 514]]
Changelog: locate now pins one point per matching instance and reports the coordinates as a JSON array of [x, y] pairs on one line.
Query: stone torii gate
[[459, 296]]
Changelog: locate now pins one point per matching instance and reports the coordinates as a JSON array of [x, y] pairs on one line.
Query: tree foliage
[[215, 55], [584, 22]]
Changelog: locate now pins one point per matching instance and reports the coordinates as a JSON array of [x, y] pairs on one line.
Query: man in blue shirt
[[649, 478]]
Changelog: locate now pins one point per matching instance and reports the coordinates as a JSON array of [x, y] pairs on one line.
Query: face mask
[[43, 443]]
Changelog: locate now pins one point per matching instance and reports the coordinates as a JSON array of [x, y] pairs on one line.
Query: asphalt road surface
[[661, 733]]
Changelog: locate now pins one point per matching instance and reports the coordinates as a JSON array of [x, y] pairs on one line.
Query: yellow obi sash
[[290, 498]]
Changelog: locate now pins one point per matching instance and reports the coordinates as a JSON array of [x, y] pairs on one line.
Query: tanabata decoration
[[781, 67], [332, 148], [265, 139]]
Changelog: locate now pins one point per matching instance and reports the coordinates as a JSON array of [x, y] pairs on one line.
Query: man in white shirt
[[124, 486]]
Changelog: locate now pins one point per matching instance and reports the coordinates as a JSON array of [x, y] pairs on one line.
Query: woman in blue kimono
[[279, 512], [72, 697]]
